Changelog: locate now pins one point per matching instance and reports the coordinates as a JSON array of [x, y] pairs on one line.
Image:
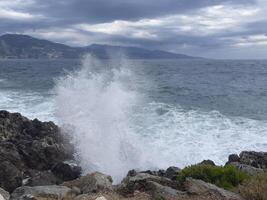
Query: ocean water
[[122, 114]]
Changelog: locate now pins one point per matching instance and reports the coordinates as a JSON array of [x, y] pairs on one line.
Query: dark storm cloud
[[96, 11], [180, 25]]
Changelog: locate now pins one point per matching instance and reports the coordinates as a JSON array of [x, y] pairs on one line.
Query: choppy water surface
[[124, 114]]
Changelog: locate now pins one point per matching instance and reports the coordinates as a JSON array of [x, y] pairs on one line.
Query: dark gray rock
[[30, 145], [233, 158], [10, 176], [255, 159], [9, 152], [66, 172], [172, 173], [131, 173]]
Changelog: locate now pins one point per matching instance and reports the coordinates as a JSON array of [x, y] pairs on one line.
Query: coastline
[[37, 160]]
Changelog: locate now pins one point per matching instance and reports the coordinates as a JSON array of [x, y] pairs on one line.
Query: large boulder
[[4, 195], [201, 188], [255, 159], [141, 182], [91, 183], [53, 192], [66, 171]]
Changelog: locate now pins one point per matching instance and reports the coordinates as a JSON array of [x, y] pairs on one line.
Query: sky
[[233, 29]]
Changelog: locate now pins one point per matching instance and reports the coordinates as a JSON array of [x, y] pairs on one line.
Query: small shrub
[[227, 177], [255, 188]]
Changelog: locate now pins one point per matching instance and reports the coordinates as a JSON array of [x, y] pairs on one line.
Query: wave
[[114, 129], [30, 104]]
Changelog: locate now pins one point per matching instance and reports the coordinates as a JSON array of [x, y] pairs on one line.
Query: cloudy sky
[[210, 28]]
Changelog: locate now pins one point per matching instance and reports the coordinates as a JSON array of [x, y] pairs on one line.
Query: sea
[[123, 114]]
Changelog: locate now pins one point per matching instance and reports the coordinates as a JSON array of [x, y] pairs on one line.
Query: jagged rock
[[253, 171], [199, 187], [10, 176], [29, 145], [39, 178], [53, 192], [172, 172], [140, 182], [233, 158], [66, 172], [39, 145], [93, 182], [4, 195], [132, 173], [255, 159]]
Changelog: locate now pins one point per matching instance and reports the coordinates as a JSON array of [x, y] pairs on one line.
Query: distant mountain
[[18, 46]]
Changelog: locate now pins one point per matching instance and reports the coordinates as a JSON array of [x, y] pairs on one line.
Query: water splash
[[94, 105], [114, 129]]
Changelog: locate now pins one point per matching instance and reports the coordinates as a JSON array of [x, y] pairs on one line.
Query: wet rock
[[52, 192], [10, 176], [4, 195], [93, 182], [172, 173], [66, 172], [255, 159], [199, 187], [233, 158]]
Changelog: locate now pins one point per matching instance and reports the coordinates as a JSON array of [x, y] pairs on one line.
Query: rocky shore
[[36, 163]]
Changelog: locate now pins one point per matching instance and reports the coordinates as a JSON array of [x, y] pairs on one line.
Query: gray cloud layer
[[216, 28]]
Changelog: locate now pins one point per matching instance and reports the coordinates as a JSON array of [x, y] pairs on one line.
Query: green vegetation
[[255, 188], [227, 177]]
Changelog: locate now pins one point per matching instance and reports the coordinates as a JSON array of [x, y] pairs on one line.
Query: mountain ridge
[[19, 46]]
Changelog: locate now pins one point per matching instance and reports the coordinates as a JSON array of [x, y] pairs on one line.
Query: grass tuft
[[227, 177]]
